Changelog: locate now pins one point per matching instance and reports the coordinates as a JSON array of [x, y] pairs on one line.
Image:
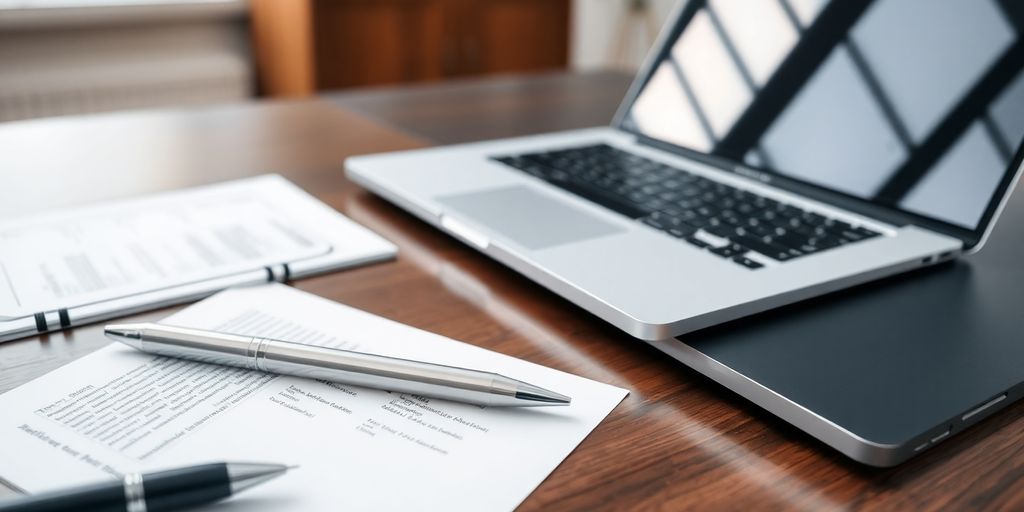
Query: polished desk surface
[[678, 441]]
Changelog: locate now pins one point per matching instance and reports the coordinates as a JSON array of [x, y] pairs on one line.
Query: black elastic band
[[65, 321], [287, 273], [41, 322], [270, 275]]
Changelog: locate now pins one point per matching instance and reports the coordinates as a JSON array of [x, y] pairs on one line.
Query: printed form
[[120, 410], [96, 253]]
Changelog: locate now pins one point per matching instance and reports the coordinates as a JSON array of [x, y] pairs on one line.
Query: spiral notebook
[[75, 266]]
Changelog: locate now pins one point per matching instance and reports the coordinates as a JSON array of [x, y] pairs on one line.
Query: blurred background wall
[[61, 57], [73, 56], [615, 33]]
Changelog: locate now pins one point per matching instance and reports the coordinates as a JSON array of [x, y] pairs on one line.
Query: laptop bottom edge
[[836, 436]]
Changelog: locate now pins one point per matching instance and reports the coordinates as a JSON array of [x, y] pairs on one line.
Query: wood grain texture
[[303, 46], [367, 42], [677, 442], [502, 36]]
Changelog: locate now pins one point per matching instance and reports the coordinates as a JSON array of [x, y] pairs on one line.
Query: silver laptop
[[767, 152]]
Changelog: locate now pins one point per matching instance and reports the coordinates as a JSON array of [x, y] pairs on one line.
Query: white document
[[75, 258], [119, 410], [73, 266]]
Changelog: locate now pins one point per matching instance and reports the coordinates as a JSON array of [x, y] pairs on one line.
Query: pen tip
[[243, 475], [123, 330], [129, 334], [539, 396]]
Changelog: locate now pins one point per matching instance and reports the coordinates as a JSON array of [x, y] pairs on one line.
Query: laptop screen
[[913, 105]]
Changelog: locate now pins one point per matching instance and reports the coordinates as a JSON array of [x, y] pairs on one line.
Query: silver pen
[[335, 365]]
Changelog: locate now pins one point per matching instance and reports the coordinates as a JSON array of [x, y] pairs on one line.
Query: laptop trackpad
[[529, 218]]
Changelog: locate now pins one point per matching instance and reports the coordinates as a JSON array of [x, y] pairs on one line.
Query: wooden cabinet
[[514, 35], [307, 45]]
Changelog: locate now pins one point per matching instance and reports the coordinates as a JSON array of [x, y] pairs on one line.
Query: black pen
[[153, 492]]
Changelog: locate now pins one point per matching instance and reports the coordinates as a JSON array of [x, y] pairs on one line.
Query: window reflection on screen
[[911, 104]]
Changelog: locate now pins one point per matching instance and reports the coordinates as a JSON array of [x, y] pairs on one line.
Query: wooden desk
[[677, 442]]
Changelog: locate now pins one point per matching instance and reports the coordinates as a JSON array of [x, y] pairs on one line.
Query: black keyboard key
[[719, 231], [866, 232], [669, 196], [851, 235], [825, 241], [691, 218], [684, 222], [813, 219], [792, 240], [786, 211], [729, 251], [856, 234], [708, 210], [761, 230], [637, 196], [688, 204], [653, 222], [712, 225], [768, 216], [747, 262], [682, 231], [698, 242], [773, 251], [748, 231], [671, 225], [810, 249]]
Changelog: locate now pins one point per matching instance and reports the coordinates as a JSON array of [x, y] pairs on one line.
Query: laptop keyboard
[[684, 204]]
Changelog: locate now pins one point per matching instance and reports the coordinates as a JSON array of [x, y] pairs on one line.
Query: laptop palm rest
[[529, 218]]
